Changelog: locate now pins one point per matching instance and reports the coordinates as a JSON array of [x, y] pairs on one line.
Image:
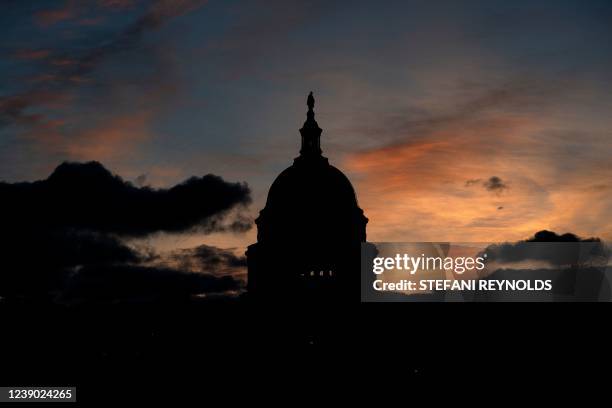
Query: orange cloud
[[416, 190]]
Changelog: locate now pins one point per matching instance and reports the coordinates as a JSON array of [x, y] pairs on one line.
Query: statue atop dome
[[310, 232], [311, 132]]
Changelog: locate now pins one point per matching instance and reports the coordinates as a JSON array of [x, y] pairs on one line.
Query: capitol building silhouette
[[310, 232]]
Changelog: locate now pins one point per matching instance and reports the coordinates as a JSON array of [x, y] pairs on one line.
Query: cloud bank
[[86, 196], [555, 249], [63, 236]]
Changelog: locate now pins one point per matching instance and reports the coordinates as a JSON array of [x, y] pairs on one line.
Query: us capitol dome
[[310, 232]]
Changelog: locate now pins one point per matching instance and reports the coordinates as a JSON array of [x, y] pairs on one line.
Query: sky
[[455, 121]]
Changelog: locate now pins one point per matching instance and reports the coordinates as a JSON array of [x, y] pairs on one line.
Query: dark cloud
[[212, 256], [239, 223], [547, 246], [584, 284], [135, 283], [87, 196], [62, 236], [68, 266], [209, 259], [550, 236], [37, 262], [493, 184]]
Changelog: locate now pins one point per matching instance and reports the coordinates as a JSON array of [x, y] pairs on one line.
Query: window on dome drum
[[323, 274]]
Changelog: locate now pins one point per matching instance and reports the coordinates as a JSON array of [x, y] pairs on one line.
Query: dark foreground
[[114, 353]]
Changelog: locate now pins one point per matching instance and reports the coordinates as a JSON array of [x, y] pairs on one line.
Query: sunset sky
[[463, 121]]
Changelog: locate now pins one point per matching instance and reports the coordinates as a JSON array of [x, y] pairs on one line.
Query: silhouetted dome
[[310, 233], [311, 200], [311, 184]]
